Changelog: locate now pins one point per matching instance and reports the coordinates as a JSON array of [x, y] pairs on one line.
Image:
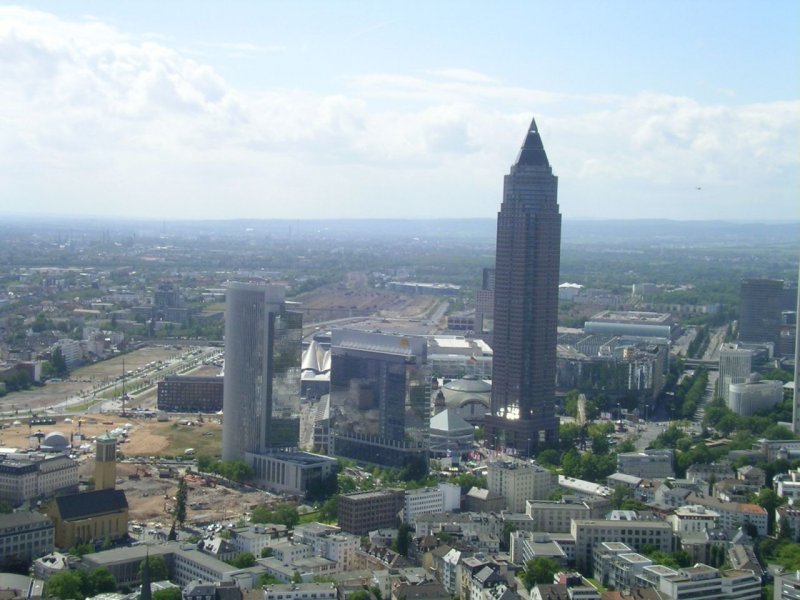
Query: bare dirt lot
[[149, 483]]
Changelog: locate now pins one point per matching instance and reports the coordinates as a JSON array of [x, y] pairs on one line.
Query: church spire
[[532, 152], [146, 592]]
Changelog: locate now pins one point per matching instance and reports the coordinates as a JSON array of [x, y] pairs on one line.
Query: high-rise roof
[[532, 152]]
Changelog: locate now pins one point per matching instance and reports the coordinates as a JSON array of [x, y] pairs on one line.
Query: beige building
[[635, 534], [518, 481]]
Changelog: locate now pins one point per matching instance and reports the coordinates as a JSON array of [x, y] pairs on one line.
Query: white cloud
[[91, 117]]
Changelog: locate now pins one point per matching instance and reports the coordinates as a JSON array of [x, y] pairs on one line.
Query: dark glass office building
[[263, 344], [526, 304], [761, 311], [380, 398]]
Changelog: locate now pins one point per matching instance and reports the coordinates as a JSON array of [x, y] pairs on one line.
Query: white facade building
[[693, 519], [735, 365], [445, 497], [788, 486], [749, 397]]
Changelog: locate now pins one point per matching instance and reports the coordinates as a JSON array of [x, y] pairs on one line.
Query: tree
[[620, 494], [66, 585], [769, 500], [173, 593], [329, 510], [180, 501], [243, 560], [403, 540], [58, 362], [539, 570], [158, 568], [266, 552], [296, 577], [359, 595], [102, 581]]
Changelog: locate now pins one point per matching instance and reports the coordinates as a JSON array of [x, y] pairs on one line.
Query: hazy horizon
[[303, 110]]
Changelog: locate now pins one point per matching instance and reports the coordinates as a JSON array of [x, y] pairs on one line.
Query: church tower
[[105, 463]]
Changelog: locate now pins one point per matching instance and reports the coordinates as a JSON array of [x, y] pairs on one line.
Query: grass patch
[[597, 584], [181, 437]]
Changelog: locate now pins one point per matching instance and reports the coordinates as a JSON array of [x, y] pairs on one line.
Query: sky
[[411, 109]]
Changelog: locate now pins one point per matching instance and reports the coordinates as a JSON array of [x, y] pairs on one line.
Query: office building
[[702, 582], [636, 534], [760, 311], [484, 306], [445, 497], [291, 472], [261, 393], [526, 304], [630, 323], [735, 366], [24, 536], [519, 481], [650, 464], [555, 516], [190, 394], [796, 396], [380, 398], [754, 395], [363, 512]]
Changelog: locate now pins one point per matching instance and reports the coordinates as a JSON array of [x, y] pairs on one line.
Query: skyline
[[280, 110]]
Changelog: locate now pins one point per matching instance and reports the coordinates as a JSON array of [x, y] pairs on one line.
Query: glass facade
[[262, 370], [380, 398]]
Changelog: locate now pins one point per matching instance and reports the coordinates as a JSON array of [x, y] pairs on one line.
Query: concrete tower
[[526, 303], [105, 463], [261, 392]]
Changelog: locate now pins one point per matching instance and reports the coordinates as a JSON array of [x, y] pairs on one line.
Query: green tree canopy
[[539, 570], [158, 568], [173, 593], [243, 560]]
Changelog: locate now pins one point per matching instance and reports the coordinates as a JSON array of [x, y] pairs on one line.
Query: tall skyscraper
[[261, 393], [761, 311], [380, 398], [796, 396], [526, 303]]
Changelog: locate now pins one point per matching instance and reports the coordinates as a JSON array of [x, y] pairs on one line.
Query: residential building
[[24, 536], [220, 590], [787, 485], [330, 543], [445, 497], [735, 366], [556, 516], [519, 481], [380, 398], [261, 392], [616, 565], [362, 512], [733, 515], [190, 394], [693, 519], [526, 304], [788, 517], [636, 534]]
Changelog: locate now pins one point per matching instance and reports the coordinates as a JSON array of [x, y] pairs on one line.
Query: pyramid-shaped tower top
[[532, 152]]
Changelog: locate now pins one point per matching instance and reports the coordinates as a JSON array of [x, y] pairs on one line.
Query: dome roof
[[470, 384], [55, 439]]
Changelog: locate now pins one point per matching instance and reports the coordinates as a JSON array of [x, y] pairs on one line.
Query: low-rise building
[[635, 534], [693, 519], [556, 516], [787, 586], [290, 472], [650, 464], [787, 485], [788, 517], [300, 591], [445, 497], [702, 582], [363, 512], [24, 536], [733, 515]]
